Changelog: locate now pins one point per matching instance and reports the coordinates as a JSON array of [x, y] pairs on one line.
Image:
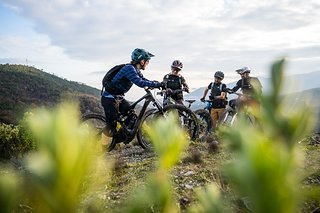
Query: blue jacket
[[128, 76]]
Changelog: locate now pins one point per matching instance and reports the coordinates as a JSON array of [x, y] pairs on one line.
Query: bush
[[15, 140]]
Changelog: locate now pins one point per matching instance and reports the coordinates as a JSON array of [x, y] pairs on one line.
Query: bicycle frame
[[148, 97], [232, 110]]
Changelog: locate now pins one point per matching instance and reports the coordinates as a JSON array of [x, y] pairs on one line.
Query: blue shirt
[[128, 76]]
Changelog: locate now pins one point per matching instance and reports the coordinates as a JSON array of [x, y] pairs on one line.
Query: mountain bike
[[230, 115], [133, 122], [203, 115]]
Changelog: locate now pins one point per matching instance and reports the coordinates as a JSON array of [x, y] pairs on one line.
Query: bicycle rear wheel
[[97, 123], [205, 122]]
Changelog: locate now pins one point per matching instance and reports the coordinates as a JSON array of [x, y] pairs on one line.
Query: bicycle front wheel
[[147, 119], [228, 118], [186, 118], [205, 122]]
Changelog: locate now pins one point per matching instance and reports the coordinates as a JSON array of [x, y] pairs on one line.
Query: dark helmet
[[219, 74], [243, 70], [177, 64], [140, 54]]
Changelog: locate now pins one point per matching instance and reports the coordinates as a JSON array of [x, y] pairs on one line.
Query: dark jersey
[[247, 86], [175, 82], [216, 90]]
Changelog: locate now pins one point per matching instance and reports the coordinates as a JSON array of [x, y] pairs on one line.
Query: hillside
[[24, 87], [313, 95]]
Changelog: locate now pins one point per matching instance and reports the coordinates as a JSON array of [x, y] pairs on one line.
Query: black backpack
[[173, 82], [108, 78]]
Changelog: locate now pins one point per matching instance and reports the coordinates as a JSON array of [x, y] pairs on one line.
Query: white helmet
[[243, 70]]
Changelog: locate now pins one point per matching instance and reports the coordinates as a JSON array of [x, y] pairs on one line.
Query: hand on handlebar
[[162, 85], [229, 90]]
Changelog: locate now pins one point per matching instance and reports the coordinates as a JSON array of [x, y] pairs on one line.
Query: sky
[[81, 39]]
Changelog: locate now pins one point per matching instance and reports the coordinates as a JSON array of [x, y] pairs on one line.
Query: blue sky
[[81, 39]]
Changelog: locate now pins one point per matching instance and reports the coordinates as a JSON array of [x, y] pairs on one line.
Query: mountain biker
[[175, 81], [114, 102], [217, 96], [250, 87]]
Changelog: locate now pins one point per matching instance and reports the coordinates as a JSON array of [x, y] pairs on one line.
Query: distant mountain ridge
[[24, 87]]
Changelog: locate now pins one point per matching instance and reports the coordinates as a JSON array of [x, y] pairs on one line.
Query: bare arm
[[184, 84], [205, 93]]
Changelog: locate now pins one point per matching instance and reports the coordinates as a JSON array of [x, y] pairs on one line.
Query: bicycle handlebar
[[232, 92], [173, 92]]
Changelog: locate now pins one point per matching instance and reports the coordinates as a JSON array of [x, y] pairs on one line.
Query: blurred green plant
[[55, 173], [169, 141], [9, 190], [209, 200], [58, 170]]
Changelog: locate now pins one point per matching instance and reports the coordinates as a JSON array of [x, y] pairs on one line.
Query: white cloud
[[206, 35]]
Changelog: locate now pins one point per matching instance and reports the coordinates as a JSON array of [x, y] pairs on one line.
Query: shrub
[[15, 140]]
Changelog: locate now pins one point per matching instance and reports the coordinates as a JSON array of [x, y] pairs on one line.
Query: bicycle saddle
[[190, 101]]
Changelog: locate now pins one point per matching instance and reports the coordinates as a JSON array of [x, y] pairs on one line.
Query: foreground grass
[[200, 166]]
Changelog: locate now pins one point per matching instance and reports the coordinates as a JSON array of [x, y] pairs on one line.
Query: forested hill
[[24, 87]]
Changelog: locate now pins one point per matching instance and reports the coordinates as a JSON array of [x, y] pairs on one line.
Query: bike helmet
[[243, 70], [177, 64], [140, 54], [219, 74]]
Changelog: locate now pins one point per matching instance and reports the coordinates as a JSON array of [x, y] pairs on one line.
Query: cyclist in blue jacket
[[112, 98]]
